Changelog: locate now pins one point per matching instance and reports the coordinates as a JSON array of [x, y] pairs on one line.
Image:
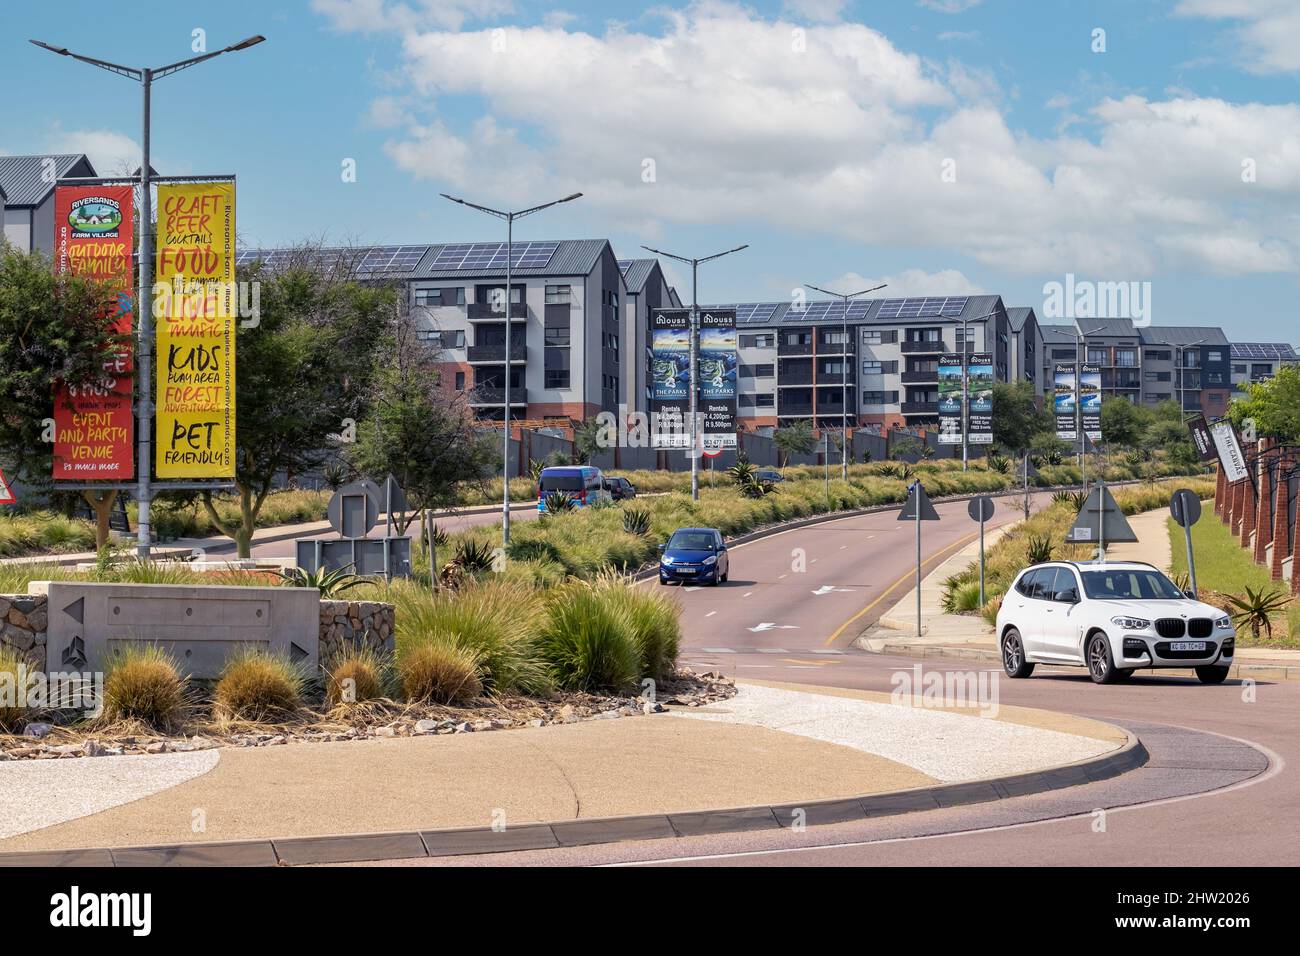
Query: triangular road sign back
[[6, 495], [916, 494], [1100, 512]]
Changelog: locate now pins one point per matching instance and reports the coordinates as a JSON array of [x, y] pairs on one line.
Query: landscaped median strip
[[414, 844]]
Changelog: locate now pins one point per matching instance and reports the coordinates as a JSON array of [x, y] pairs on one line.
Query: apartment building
[[1183, 363], [1259, 361], [1026, 347], [577, 317], [876, 364]]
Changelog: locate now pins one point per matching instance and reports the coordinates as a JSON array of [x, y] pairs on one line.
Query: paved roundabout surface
[[1219, 787]]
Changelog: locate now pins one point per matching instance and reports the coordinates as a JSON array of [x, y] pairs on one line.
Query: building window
[[432, 297], [765, 341], [1064, 354], [758, 371], [834, 338], [556, 378], [880, 398], [558, 295], [1126, 358], [798, 338], [1214, 356], [449, 339], [765, 400], [557, 336]]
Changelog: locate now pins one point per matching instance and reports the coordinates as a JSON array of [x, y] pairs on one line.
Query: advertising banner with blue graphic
[[670, 377], [979, 391], [1090, 400], [1065, 402], [718, 369], [950, 399]]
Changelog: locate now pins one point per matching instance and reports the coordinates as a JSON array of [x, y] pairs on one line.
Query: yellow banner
[[195, 310]]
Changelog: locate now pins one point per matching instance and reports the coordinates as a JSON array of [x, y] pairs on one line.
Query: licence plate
[[685, 570], [1187, 646]]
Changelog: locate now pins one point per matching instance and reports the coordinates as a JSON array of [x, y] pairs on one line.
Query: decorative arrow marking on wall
[[75, 652], [76, 610], [296, 653]]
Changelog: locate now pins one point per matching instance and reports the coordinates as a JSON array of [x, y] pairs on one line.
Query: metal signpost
[[918, 508], [1185, 506], [981, 509]]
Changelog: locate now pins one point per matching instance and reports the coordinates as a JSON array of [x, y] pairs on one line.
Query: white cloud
[[909, 282], [1267, 34], [851, 138], [110, 152]]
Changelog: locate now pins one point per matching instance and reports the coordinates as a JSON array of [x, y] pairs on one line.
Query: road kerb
[[375, 847]]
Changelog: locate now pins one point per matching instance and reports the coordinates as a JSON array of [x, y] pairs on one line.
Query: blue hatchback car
[[694, 554]]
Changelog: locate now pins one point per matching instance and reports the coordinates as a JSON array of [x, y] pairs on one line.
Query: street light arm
[[721, 254], [547, 205], [185, 64], [473, 205], [130, 72], [669, 255]]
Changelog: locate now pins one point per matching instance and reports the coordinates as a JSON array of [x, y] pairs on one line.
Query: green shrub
[[653, 615], [495, 620], [589, 640], [990, 610], [143, 682], [258, 686], [962, 598]]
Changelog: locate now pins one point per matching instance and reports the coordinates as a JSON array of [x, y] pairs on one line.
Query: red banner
[[94, 425]]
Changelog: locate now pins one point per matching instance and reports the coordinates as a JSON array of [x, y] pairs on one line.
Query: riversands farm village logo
[[95, 216]]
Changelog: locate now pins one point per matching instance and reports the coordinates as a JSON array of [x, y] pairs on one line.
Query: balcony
[[794, 409], [487, 312], [920, 408], [793, 348], [921, 377], [834, 348], [497, 396], [495, 353], [923, 348]]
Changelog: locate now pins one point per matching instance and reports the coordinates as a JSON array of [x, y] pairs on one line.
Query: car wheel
[[1013, 655], [1211, 673], [663, 581], [1101, 666]]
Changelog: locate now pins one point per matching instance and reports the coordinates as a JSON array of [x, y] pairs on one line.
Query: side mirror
[[1070, 596], [663, 547], [1189, 593]]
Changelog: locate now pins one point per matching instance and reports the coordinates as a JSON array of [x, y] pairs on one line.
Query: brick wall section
[[1263, 521], [355, 624], [1295, 556], [1220, 493], [23, 628], [1238, 493], [1249, 512], [1279, 519], [352, 623]]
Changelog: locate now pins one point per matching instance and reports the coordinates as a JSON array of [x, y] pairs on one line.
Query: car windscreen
[[691, 541], [561, 483], [1130, 585]]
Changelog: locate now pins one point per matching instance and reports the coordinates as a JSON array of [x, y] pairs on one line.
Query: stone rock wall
[[23, 621], [355, 624]]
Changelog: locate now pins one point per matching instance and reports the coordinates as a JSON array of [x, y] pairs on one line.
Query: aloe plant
[[557, 502], [330, 583], [1000, 464], [1039, 549], [636, 521], [1257, 608]]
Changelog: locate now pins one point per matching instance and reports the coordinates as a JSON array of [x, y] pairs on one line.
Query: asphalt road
[[1219, 788]]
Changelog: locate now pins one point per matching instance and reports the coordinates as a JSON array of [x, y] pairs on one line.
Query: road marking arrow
[[827, 589], [771, 626]]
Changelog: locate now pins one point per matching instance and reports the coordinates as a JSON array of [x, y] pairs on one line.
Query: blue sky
[[826, 151]]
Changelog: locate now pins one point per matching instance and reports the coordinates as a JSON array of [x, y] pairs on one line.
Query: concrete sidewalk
[[720, 756], [967, 636]]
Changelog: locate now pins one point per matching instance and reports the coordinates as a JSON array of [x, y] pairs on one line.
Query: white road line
[[747, 594], [711, 613], [718, 650], [771, 650]]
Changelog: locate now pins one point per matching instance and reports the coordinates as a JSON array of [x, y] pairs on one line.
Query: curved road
[[1219, 789]]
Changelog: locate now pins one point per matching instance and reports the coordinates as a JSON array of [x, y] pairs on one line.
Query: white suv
[[1112, 618]]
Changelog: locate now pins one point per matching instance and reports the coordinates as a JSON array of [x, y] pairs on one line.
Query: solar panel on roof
[[915, 308], [376, 260], [491, 256], [1262, 350], [624, 265]]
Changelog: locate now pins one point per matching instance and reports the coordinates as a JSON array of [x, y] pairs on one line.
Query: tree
[[53, 328], [907, 447], [1016, 415], [302, 370], [1123, 423], [1273, 406], [415, 430], [796, 439], [586, 441]]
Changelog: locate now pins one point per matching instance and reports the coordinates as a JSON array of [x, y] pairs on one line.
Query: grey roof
[[1018, 315], [22, 181], [1121, 328], [1059, 334], [861, 310], [572, 257], [1264, 350], [1183, 335], [638, 274]]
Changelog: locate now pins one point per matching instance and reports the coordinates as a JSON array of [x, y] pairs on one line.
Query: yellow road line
[[939, 556]]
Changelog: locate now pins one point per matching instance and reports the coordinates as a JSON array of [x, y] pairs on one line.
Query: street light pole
[[144, 301], [510, 217], [1080, 343], [695, 355], [844, 369]]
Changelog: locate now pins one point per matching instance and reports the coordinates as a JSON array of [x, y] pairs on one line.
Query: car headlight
[[711, 559], [1223, 623], [1131, 623], [666, 559]]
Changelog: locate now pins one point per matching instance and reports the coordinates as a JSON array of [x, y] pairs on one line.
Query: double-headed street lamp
[[695, 355], [509, 217], [144, 303], [844, 390]]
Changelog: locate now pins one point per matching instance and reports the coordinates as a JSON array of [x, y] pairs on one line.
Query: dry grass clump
[[355, 676], [12, 714], [144, 683], [258, 686], [440, 670]]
